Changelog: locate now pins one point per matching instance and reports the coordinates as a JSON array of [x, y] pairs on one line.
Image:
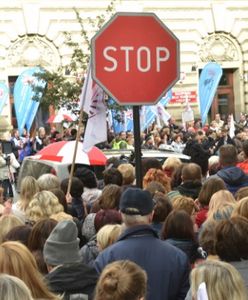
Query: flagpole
[[80, 121]]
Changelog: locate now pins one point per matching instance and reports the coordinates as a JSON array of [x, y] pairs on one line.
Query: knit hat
[[135, 201], [62, 245]]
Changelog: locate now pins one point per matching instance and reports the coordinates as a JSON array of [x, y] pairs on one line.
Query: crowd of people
[[184, 235]]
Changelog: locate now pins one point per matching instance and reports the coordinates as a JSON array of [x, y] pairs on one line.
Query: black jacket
[[75, 279], [190, 189]]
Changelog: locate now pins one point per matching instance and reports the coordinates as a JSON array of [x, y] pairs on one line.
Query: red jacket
[[243, 166]]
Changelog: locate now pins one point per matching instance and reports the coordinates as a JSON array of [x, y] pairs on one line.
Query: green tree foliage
[[64, 85]]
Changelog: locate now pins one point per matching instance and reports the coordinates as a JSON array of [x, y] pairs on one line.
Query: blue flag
[[25, 107], [209, 80], [4, 95]]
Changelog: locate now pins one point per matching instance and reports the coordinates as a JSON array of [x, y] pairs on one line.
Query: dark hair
[[107, 216], [19, 233], [61, 196], [39, 233], [231, 242], [245, 147], [228, 155], [176, 178], [211, 186], [148, 163], [87, 177], [113, 176], [178, 225], [77, 187], [162, 207]]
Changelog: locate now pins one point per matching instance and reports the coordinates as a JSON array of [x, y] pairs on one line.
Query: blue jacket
[[167, 267], [234, 178]]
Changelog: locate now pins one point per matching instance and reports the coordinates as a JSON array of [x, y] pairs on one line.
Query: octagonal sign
[[135, 58]]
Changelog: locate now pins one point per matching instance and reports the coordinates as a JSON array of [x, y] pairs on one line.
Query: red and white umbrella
[[63, 152], [59, 118]]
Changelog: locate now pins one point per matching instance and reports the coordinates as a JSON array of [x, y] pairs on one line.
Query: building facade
[[32, 33]]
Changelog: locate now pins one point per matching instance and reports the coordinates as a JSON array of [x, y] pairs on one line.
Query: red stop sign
[[135, 58]]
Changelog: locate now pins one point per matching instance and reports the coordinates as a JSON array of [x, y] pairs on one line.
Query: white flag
[[231, 127], [93, 103], [163, 114]]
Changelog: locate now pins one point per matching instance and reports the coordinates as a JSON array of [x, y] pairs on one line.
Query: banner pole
[[137, 146]]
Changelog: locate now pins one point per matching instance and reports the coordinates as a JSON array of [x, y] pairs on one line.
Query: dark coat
[[233, 177], [75, 279], [167, 267], [190, 189]]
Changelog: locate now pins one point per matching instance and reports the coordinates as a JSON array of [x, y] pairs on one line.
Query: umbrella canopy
[[59, 118], [63, 152]]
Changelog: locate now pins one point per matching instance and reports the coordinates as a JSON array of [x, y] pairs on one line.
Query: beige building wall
[[31, 33]]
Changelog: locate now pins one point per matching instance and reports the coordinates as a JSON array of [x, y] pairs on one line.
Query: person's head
[[17, 260], [241, 193], [217, 117], [112, 176], [207, 237], [222, 281], [159, 176], [29, 187], [241, 208], [245, 148], [178, 225], [41, 132], [184, 203], [155, 187], [77, 187], [150, 163], [61, 197], [43, 205], [12, 288], [136, 206], [128, 173], [209, 187], [39, 233], [106, 216], [19, 233], [110, 197], [191, 172], [221, 205], [231, 239], [171, 164], [121, 280], [8, 222], [62, 245], [87, 177], [47, 182], [108, 235], [162, 207], [228, 155]]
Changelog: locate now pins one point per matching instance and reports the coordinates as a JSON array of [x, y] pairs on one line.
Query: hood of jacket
[[233, 176]]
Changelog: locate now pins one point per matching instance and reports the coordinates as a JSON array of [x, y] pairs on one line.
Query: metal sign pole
[[137, 146]]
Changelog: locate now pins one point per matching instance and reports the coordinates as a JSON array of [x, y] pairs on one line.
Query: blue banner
[[149, 113], [4, 95], [25, 107], [208, 83]]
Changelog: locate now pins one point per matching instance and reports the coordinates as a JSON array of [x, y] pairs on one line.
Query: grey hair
[[12, 287], [132, 220]]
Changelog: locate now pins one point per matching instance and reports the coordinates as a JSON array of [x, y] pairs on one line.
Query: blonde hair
[[108, 235], [171, 163], [29, 187], [241, 208], [184, 203], [43, 205], [7, 222], [222, 203], [121, 280], [222, 281], [12, 287], [48, 182], [17, 260], [128, 173], [61, 216]]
